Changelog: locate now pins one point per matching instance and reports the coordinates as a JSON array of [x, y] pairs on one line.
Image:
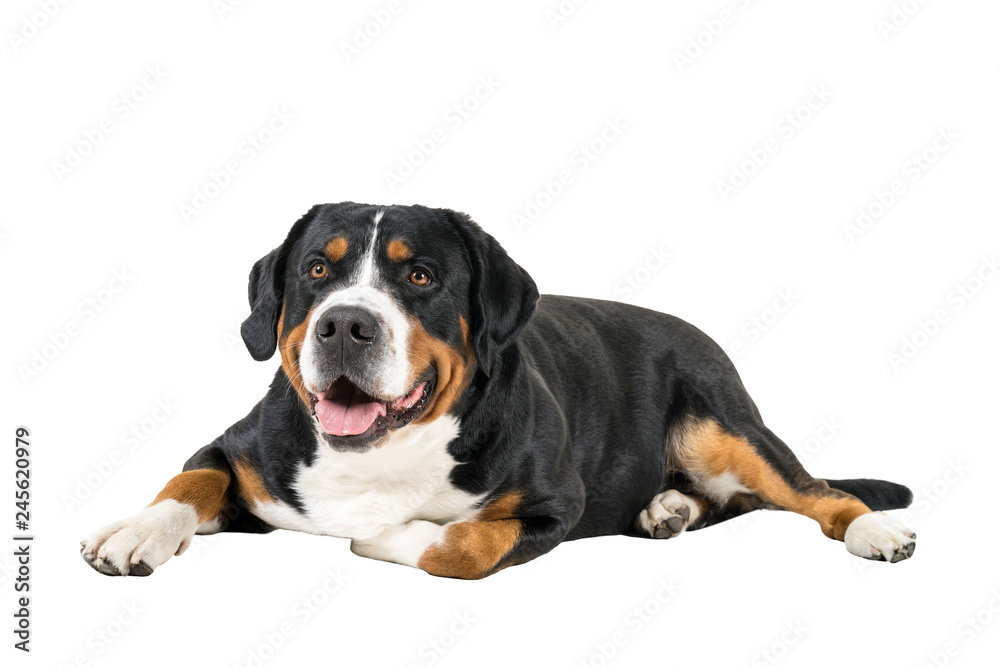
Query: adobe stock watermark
[[955, 301], [581, 159], [365, 34], [899, 15], [8, 570], [453, 118], [634, 621], [130, 440], [87, 310], [223, 8], [233, 339], [703, 38], [98, 642], [632, 281], [929, 495], [973, 625], [300, 613], [32, 24], [247, 151], [779, 649], [809, 449], [911, 171], [737, 523], [754, 328], [561, 12], [926, 498], [786, 127], [121, 108], [432, 650]]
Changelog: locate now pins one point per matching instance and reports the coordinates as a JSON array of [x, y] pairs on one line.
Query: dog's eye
[[317, 270], [420, 277]]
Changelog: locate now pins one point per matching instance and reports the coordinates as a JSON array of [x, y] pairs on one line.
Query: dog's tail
[[876, 493]]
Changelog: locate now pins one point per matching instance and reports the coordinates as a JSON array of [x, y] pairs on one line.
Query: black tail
[[876, 493]]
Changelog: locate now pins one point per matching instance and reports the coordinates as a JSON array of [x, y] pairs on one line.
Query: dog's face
[[383, 315]]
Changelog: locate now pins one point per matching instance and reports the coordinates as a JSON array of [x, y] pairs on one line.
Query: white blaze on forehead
[[366, 270], [393, 372]]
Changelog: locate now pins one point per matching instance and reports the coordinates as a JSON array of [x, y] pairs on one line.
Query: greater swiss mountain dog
[[431, 407]]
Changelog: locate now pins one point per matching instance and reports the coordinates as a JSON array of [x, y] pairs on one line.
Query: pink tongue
[[352, 417]]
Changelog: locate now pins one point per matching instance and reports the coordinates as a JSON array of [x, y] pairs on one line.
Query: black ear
[[260, 330], [266, 291], [502, 296]]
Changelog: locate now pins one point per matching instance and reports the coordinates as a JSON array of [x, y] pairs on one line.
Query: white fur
[[366, 274], [663, 507], [719, 489], [151, 535], [360, 495], [877, 535], [394, 373], [401, 544], [392, 501]]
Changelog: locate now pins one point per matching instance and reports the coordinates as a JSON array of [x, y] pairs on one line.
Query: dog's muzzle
[[348, 398]]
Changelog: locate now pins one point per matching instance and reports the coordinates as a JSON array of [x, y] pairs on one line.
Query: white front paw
[[403, 544], [877, 536], [143, 541]]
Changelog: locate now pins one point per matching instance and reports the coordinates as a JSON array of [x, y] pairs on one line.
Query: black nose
[[347, 324]]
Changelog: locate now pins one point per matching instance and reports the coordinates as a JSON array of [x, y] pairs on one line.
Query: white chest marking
[[354, 495]]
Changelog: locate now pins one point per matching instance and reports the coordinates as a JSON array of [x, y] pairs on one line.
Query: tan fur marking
[[398, 251], [251, 486], [290, 347], [473, 549], [336, 248], [204, 490], [452, 365], [710, 451], [502, 508]]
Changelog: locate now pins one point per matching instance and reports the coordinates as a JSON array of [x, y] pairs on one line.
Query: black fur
[[572, 401], [265, 291], [876, 493]]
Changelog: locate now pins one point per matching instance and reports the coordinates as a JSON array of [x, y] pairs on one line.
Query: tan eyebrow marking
[[336, 248], [399, 251]]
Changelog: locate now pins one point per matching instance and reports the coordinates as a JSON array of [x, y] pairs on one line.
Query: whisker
[[429, 364]]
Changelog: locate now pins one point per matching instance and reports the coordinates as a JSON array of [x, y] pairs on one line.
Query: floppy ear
[[260, 330], [266, 291], [502, 296]]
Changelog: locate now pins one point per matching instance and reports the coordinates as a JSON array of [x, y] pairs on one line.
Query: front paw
[[403, 544], [140, 543]]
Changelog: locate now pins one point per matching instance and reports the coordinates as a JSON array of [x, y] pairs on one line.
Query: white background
[[821, 372]]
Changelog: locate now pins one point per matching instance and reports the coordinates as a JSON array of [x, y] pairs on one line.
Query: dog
[[433, 408]]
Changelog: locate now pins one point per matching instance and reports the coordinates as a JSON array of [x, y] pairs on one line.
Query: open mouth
[[345, 410]]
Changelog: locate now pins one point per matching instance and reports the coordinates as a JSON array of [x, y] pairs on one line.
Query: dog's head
[[383, 315]]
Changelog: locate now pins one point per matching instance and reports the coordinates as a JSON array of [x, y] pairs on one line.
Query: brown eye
[[420, 277], [318, 270]]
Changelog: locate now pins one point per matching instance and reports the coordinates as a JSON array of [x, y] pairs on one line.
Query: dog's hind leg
[[682, 508], [724, 463]]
